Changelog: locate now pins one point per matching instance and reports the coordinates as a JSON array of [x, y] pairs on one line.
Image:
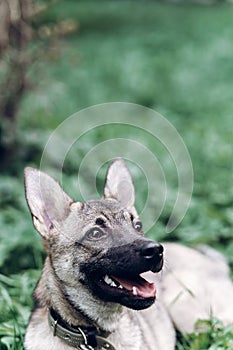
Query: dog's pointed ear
[[48, 203], [119, 184]]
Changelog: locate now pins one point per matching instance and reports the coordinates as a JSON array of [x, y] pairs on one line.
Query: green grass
[[15, 307], [176, 59], [210, 335]]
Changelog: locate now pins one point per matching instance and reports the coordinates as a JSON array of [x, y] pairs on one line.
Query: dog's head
[[98, 244]]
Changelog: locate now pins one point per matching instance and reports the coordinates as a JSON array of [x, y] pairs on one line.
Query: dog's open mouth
[[130, 290], [135, 286], [118, 275]]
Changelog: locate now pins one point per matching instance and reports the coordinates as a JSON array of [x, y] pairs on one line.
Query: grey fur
[[65, 286]]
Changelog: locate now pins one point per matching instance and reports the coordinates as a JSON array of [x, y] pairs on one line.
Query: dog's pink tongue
[[143, 288]]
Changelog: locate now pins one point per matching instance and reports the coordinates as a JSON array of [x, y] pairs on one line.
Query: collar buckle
[[85, 345], [55, 328]]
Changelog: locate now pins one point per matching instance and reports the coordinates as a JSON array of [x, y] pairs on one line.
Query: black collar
[[83, 338]]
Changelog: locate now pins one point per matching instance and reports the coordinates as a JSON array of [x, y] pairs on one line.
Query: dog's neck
[[75, 305]]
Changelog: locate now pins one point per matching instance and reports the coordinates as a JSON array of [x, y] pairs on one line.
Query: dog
[[96, 292]]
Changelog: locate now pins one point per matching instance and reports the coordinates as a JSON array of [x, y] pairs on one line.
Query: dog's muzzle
[[115, 275]]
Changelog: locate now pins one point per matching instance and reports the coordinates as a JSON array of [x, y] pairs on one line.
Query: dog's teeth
[[113, 284], [109, 281], [135, 292]]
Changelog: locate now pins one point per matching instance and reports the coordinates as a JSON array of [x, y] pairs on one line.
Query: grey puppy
[[92, 295]]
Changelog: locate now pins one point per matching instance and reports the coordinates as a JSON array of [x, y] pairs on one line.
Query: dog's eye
[[95, 233], [138, 225]]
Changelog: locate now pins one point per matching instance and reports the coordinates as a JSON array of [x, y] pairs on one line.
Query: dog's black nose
[[150, 249]]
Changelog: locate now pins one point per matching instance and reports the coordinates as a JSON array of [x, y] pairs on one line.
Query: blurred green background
[[175, 58]]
